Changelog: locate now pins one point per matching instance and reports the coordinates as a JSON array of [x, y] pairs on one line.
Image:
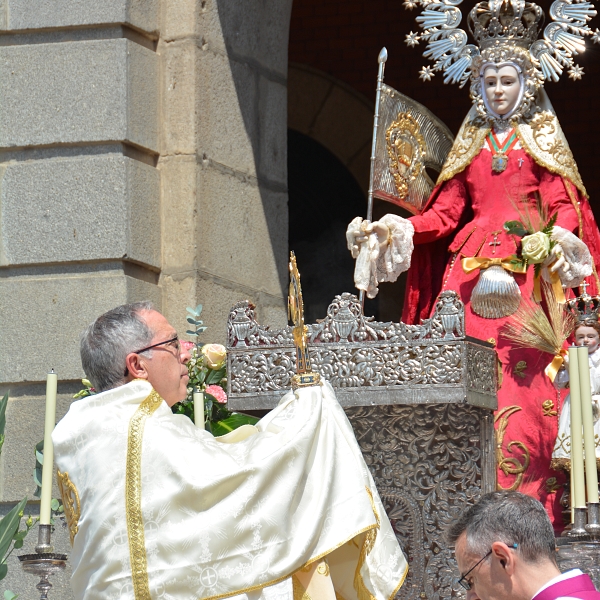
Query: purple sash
[[580, 586]]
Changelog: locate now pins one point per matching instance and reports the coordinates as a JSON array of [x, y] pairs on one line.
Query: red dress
[[465, 218]]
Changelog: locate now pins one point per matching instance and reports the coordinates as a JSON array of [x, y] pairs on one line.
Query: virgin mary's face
[[502, 88]]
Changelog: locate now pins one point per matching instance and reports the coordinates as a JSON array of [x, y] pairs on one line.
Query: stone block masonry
[[142, 156]]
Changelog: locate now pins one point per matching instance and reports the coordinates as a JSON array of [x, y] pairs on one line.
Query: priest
[[160, 509]]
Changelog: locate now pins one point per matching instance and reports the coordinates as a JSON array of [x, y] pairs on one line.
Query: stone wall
[[142, 156]]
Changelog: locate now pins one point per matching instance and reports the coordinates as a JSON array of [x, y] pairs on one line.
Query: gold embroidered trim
[[510, 465], [71, 503], [548, 409], [299, 592], [466, 147], [309, 562], [359, 585], [369, 528], [543, 139], [133, 496], [564, 464]]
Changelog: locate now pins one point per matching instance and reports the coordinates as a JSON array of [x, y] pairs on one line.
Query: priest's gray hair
[[509, 517], [105, 344]]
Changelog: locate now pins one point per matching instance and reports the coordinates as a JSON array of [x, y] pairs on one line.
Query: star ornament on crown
[[584, 307], [505, 31]]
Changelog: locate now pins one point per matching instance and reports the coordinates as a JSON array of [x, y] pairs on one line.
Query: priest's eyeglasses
[[463, 582], [174, 341]]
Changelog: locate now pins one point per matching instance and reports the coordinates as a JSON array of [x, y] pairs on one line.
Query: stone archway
[[333, 114], [340, 120]]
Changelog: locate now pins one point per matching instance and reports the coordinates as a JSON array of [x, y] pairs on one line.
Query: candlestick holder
[[45, 562], [593, 526]]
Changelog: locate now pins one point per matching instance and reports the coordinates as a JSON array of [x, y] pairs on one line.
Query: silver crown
[[494, 22], [584, 307], [507, 23]]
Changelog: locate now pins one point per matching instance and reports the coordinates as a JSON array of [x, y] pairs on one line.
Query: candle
[[576, 431], [48, 468], [198, 397], [587, 416]]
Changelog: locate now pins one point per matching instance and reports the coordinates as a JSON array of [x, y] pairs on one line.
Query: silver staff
[[383, 55]]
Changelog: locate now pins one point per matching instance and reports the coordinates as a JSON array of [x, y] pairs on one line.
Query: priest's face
[[587, 336], [502, 88], [166, 367]]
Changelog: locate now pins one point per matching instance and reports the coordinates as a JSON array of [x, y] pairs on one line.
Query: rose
[[216, 391], [536, 247], [214, 354]]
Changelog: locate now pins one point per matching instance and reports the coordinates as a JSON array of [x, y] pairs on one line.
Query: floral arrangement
[[208, 374], [535, 232]]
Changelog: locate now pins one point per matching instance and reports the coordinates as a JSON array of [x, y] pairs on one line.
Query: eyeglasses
[[463, 580], [174, 341]]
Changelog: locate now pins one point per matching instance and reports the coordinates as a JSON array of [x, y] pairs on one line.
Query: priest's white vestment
[[160, 509]]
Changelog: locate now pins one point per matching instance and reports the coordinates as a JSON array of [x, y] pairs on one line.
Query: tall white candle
[[576, 431], [587, 416], [48, 468], [198, 398]]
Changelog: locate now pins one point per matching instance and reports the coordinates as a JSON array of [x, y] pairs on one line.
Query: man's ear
[[136, 366], [505, 556]]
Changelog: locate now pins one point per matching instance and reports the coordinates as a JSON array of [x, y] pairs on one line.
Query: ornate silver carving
[[372, 362], [428, 462], [412, 394]]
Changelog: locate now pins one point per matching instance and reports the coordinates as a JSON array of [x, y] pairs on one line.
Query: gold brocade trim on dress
[[71, 503], [133, 496], [466, 147], [543, 139]]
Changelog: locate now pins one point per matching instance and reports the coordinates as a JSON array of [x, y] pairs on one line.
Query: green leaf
[[190, 332], [548, 227], [193, 321], [233, 422], [8, 595], [515, 228], [9, 526], [54, 504], [3, 570], [18, 544], [215, 376]]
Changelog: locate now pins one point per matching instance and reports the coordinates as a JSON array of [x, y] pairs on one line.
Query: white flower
[[426, 73], [535, 247], [412, 39], [596, 36], [575, 72], [409, 4]]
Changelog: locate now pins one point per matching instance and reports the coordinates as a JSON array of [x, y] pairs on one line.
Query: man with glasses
[[159, 508], [505, 550]]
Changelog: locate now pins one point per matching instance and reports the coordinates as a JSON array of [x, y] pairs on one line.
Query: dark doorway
[[323, 198]]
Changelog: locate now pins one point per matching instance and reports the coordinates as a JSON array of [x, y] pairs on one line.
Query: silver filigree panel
[[368, 361], [428, 462]]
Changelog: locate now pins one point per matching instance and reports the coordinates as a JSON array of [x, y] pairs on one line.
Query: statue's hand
[[560, 264], [358, 233]]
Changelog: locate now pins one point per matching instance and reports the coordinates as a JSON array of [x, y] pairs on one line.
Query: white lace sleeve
[[396, 258], [576, 254], [375, 264]]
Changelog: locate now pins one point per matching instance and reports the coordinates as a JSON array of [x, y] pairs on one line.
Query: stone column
[[142, 156], [224, 157]]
